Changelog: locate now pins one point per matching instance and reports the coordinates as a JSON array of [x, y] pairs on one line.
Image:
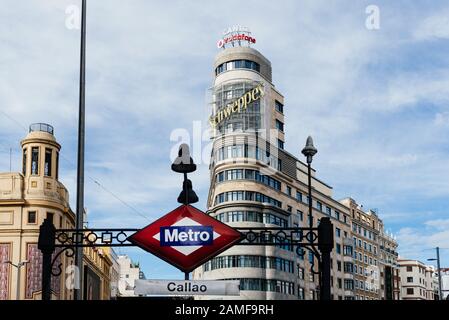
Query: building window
[[409, 268], [280, 144], [337, 232], [237, 64], [35, 160], [338, 265], [301, 252], [347, 250], [299, 196], [337, 215], [279, 106], [300, 215], [289, 191], [24, 161], [47, 165], [319, 206], [348, 267], [338, 248], [279, 125], [410, 291], [410, 279], [289, 208], [300, 293], [311, 257], [31, 216], [349, 284], [247, 196], [300, 272], [328, 210], [57, 165]]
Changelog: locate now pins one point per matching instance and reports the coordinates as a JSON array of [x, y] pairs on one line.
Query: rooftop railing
[[41, 127]]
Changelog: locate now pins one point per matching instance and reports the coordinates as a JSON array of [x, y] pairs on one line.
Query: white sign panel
[[187, 287]]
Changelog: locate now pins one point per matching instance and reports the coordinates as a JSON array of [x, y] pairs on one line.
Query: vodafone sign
[[186, 237], [235, 34]]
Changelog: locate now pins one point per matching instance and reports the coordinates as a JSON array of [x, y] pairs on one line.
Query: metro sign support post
[[186, 237]]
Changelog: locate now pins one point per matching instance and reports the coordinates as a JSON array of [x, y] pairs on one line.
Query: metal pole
[[80, 166], [310, 199], [186, 192], [46, 276], [440, 290], [186, 276]]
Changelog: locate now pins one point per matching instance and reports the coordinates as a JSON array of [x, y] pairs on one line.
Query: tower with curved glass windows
[[255, 182]]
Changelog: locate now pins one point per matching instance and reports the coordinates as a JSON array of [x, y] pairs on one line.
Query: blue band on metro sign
[[186, 235]]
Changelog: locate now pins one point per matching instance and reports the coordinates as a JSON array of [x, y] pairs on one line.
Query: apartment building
[[417, 280]]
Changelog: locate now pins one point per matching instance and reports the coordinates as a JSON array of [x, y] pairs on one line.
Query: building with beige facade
[[26, 199], [375, 255], [417, 280], [129, 272], [255, 182]]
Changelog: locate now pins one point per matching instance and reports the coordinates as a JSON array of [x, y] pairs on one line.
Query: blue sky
[[375, 101]]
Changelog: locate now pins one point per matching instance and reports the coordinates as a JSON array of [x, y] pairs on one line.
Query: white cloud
[[442, 119], [433, 27], [420, 243]]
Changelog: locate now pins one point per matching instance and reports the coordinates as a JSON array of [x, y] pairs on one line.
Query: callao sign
[[180, 287], [186, 237], [235, 34]]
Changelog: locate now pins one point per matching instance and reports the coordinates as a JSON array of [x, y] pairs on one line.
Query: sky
[[375, 100]]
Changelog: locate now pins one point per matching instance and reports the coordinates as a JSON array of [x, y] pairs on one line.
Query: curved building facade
[[256, 183]]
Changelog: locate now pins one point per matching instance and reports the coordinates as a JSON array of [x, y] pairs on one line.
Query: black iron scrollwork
[[93, 237], [298, 238], [57, 270]]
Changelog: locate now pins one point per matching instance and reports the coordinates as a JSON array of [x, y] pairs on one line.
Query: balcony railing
[[41, 127]]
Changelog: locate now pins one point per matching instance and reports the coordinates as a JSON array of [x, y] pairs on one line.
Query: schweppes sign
[[238, 105]]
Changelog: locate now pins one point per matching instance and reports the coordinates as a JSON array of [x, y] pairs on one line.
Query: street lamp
[[437, 259], [309, 151], [17, 266]]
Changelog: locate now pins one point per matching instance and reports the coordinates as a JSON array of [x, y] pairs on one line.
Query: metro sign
[[186, 237]]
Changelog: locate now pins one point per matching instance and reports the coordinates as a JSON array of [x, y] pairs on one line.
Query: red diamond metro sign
[[186, 237]]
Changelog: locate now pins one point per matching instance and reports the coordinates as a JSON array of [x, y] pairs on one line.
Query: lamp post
[[184, 164], [17, 266], [309, 151], [325, 233], [440, 289], [80, 166]]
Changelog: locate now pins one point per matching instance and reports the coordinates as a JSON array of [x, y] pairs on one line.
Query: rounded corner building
[[256, 183]]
